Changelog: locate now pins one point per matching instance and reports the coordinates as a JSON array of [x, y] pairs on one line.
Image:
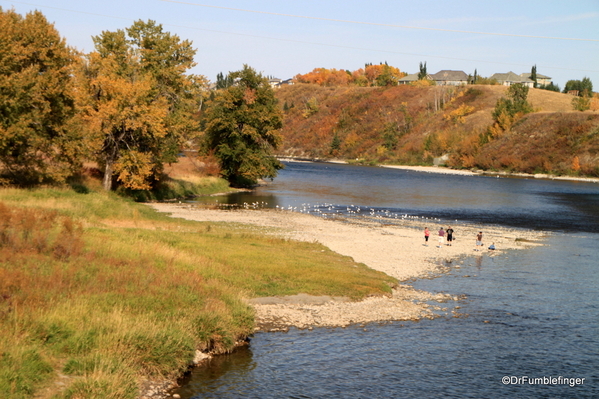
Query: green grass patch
[[100, 291]]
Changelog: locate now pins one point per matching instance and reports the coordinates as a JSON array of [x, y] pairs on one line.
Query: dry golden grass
[[360, 119], [134, 293]]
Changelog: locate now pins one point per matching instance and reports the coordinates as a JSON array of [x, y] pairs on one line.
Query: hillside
[[419, 125]]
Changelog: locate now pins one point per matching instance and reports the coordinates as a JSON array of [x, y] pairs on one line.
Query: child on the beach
[[427, 233], [479, 240]]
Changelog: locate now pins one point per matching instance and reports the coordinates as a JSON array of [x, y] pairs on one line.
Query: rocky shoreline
[[396, 249]]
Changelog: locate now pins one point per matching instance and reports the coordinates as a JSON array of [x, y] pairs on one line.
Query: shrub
[[40, 231]]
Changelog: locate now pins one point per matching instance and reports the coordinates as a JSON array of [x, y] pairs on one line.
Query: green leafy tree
[[241, 126], [584, 86], [138, 102], [507, 110], [581, 103], [550, 87], [388, 76], [37, 141]]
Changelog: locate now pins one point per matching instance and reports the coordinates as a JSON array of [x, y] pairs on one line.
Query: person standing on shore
[[427, 233], [479, 240], [449, 232], [441, 237]]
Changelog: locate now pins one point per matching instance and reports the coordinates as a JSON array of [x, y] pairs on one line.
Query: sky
[[282, 38]]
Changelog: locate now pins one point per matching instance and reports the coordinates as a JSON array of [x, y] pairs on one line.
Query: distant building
[[276, 83], [510, 78], [450, 78], [541, 79], [410, 78]]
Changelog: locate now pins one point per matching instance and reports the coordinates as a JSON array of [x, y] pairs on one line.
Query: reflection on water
[[531, 313]]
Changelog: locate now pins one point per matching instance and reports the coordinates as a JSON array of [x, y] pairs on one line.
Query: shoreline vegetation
[[101, 296]]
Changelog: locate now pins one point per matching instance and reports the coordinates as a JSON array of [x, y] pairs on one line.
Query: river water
[[530, 318]]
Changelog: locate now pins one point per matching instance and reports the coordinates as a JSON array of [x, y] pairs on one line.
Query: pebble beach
[[397, 249]]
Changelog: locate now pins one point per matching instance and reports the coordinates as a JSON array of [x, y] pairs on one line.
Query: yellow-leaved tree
[[138, 103]]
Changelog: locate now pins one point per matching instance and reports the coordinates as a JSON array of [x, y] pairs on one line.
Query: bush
[[43, 232]]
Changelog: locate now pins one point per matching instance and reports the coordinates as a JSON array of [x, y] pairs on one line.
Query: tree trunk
[[107, 182]]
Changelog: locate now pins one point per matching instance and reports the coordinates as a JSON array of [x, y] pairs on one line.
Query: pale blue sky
[[291, 37]]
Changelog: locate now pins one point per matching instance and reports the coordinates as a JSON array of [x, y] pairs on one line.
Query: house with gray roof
[[541, 79], [409, 79], [450, 78], [510, 78]]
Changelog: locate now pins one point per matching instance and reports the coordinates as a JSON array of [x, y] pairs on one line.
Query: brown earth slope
[[420, 125]]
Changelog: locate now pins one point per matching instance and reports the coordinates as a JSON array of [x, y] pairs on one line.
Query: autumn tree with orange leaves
[[370, 75], [137, 103], [326, 77]]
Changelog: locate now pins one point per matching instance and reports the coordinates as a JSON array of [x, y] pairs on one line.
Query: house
[[410, 78], [276, 83], [450, 78], [510, 78], [542, 80]]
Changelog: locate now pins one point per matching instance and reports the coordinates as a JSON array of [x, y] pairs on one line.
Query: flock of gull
[[327, 210]]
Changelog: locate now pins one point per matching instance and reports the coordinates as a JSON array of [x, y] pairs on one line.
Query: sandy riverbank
[[397, 250], [449, 171]]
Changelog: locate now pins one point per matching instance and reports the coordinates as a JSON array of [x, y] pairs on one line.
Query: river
[[529, 325]]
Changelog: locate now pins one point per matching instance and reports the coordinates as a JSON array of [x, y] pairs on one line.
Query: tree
[[507, 110], [533, 75], [36, 102], [326, 77], [474, 78], [581, 103], [550, 87], [138, 102], [222, 82], [422, 74], [581, 86], [241, 127]]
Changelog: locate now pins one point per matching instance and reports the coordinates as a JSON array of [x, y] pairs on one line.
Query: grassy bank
[[98, 292]]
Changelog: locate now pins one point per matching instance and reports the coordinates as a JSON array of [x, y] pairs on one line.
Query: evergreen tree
[[335, 144], [422, 74], [241, 127], [222, 82], [533, 75]]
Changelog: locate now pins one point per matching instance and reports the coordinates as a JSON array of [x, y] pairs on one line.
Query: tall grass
[[98, 292]]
